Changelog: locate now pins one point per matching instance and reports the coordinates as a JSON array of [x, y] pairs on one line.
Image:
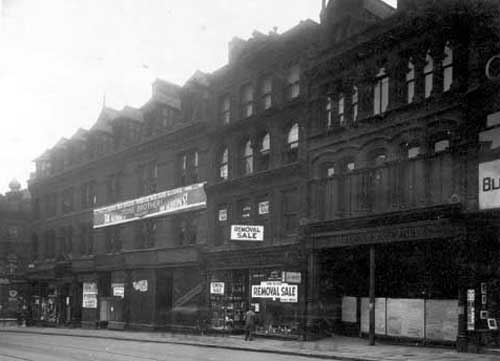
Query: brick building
[[311, 157]]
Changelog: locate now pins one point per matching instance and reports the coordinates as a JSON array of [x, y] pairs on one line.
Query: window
[[67, 201], [381, 93], [88, 197], [410, 82], [223, 164], [148, 178], [413, 152], [113, 187], [428, 75], [447, 67], [330, 170], [186, 230], [293, 143], [441, 145], [222, 225], [225, 109], [290, 207], [247, 101], [188, 168], [265, 152], [350, 166], [245, 209], [329, 112], [379, 159], [355, 102], [263, 207], [145, 233], [247, 158], [50, 201], [294, 82], [267, 88], [340, 110], [113, 242]]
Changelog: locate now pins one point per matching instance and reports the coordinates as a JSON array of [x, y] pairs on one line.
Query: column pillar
[[371, 333]]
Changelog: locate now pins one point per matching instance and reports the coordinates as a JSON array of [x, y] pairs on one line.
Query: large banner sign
[[89, 295], [489, 185], [173, 201]]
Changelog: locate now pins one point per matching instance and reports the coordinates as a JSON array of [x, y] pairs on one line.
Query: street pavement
[[54, 344]]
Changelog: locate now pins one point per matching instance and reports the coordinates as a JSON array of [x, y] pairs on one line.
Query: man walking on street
[[249, 324]]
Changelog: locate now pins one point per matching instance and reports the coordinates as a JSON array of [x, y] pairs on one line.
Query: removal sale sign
[[274, 290], [247, 233], [489, 185]]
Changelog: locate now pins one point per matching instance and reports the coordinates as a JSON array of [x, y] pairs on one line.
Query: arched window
[[223, 164], [247, 158], [293, 81], [447, 67], [265, 151], [293, 143], [340, 110], [355, 101], [381, 92], [410, 82], [413, 152], [428, 74], [441, 145]]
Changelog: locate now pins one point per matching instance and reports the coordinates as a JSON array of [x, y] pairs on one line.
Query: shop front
[[271, 281], [418, 272]]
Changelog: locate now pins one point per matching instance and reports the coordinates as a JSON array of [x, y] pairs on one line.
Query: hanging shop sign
[[276, 289], [247, 233], [89, 295], [141, 286], [169, 202], [489, 185], [216, 288], [118, 289]]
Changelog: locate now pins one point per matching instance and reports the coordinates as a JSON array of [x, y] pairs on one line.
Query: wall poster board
[[89, 295], [380, 326], [349, 309], [441, 320], [405, 318]]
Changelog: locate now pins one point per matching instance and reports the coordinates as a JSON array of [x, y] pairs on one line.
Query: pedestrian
[[249, 324]]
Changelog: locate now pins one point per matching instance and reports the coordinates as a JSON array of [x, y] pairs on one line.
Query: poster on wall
[[349, 309], [274, 290], [441, 320], [118, 289], [380, 325], [217, 288], [141, 286], [405, 317], [489, 185], [89, 295], [247, 233]]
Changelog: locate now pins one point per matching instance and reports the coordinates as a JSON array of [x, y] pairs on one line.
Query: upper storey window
[[265, 151], [355, 102], [410, 82], [447, 67], [381, 92], [340, 110], [247, 101], [223, 164], [329, 112], [294, 82], [428, 75], [266, 91], [225, 109], [247, 158], [293, 143]]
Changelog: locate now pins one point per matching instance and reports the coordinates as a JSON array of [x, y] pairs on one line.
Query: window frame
[[381, 92], [410, 82], [447, 65], [293, 82], [247, 101], [428, 75]]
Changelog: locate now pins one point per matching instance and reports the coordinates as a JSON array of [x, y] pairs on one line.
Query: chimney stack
[[235, 47]]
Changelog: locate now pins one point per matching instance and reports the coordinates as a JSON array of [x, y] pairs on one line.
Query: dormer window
[[447, 67], [428, 75], [381, 92], [293, 82]]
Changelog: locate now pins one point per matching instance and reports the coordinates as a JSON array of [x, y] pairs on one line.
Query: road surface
[[33, 347]]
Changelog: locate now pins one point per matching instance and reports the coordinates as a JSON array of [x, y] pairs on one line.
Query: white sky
[[58, 58]]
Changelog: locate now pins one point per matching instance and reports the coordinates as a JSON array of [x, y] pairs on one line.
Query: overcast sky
[[59, 59]]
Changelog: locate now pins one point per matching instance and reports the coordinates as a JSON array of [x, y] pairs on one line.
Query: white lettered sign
[[489, 185], [247, 233], [217, 288]]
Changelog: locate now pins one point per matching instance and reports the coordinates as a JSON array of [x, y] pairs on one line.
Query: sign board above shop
[[489, 185], [276, 289], [169, 202], [247, 233]]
